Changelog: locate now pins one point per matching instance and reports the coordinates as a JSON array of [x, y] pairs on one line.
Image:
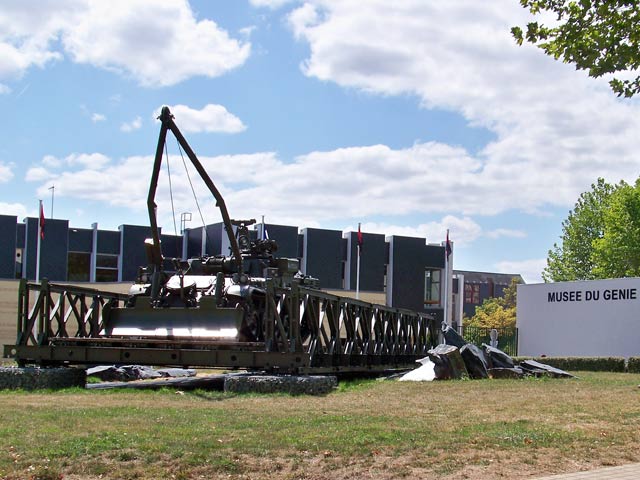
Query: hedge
[[633, 365], [589, 364]]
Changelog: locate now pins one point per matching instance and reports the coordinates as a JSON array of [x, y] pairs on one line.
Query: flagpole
[[446, 290], [39, 238], [358, 275], [447, 253], [359, 244]]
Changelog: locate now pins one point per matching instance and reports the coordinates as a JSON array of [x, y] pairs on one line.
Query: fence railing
[[507, 337]]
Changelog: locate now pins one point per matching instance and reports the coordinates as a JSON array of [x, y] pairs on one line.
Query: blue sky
[[411, 117]]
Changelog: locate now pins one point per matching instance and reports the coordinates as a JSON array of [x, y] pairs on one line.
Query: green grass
[[392, 429]]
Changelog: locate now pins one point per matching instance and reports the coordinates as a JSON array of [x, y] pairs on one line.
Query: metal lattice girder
[[60, 311], [305, 330]]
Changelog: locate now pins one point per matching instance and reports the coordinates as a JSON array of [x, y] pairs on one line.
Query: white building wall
[[589, 318]]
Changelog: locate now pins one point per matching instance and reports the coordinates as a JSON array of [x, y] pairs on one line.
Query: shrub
[[634, 365], [590, 364]]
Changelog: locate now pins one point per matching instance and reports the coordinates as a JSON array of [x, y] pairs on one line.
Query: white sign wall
[[590, 318]]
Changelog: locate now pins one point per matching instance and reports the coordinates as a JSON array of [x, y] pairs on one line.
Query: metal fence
[[507, 337]]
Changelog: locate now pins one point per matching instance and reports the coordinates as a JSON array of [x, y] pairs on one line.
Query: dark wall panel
[[132, 248], [214, 239], [323, 256], [434, 256], [287, 239], [469, 309], [407, 263], [8, 227], [109, 242], [372, 261], [20, 235], [80, 240], [498, 289], [53, 249], [194, 242], [29, 258], [171, 246]]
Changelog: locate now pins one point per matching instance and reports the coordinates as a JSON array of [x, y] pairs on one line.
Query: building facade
[[406, 272], [471, 289]]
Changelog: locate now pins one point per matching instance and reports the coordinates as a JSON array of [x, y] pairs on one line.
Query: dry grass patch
[[373, 429]]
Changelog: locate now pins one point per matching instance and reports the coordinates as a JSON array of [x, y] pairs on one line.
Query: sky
[[410, 117]]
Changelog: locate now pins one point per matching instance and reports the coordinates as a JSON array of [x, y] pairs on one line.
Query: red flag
[[360, 242], [447, 247], [41, 222]]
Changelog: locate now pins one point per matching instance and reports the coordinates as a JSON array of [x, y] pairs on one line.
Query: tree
[[617, 253], [600, 237], [573, 258], [602, 37], [499, 312]]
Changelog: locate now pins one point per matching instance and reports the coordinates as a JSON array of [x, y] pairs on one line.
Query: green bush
[[633, 365], [589, 364]]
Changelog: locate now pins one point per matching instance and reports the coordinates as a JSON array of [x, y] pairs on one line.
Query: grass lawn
[[370, 429]]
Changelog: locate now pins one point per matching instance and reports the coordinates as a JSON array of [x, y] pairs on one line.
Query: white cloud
[[6, 173], [51, 161], [134, 124], [531, 270], [28, 28], [16, 209], [247, 31], [94, 161], [556, 130], [98, 117], [272, 4], [506, 232], [211, 118], [303, 18], [462, 231], [90, 160], [356, 182], [38, 174], [156, 43], [4, 89], [100, 180]]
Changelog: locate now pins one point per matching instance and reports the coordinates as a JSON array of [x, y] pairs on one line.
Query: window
[[472, 293], [432, 286], [106, 275], [106, 268], [107, 261], [78, 265]]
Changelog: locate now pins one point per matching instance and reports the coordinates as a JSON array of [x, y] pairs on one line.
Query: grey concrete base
[[33, 378], [292, 384]]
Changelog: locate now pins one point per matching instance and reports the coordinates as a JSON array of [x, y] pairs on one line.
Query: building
[[471, 289], [402, 272]]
